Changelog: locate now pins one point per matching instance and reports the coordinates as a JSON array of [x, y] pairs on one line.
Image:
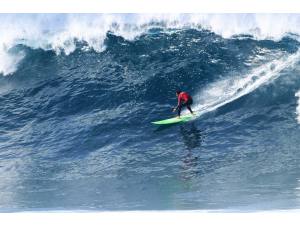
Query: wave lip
[[60, 32]]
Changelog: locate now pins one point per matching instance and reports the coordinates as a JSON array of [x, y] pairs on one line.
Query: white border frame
[[149, 6]]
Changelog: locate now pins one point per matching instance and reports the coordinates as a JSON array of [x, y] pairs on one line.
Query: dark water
[[75, 129]]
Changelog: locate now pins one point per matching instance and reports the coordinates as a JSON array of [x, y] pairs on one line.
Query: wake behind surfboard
[[183, 118]]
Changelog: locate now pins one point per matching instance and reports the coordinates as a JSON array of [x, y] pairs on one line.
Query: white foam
[[9, 61], [298, 106], [59, 32], [223, 92]]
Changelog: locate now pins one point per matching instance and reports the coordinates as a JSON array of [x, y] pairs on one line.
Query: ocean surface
[[78, 94]]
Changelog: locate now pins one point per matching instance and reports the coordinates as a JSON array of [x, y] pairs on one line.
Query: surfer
[[184, 99]]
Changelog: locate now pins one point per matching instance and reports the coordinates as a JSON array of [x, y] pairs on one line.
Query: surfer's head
[[178, 92]]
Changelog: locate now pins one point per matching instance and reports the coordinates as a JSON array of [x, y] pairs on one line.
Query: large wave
[[61, 32], [76, 111]]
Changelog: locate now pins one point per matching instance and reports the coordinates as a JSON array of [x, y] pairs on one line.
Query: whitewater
[[78, 93], [60, 32]]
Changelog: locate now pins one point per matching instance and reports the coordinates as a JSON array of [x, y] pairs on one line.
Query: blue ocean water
[[77, 106]]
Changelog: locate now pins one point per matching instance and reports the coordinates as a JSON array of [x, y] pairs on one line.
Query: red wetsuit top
[[183, 97]]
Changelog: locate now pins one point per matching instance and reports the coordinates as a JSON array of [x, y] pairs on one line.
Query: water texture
[[78, 94]]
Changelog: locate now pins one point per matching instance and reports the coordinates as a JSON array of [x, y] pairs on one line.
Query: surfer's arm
[[178, 104]]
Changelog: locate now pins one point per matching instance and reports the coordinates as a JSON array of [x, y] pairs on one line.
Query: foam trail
[[298, 106], [226, 91]]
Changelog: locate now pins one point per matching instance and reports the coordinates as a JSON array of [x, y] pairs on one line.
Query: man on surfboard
[[184, 99]]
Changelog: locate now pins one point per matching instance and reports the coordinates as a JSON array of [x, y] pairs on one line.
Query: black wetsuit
[[184, 100]]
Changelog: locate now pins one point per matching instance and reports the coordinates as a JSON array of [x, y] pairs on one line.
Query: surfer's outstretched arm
[[175, 108], [178, 104]]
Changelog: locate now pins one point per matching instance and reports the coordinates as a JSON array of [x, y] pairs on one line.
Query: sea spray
[[61, 32], [225, 91]]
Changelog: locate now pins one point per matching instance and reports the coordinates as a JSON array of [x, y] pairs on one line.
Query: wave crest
[[60, 32]]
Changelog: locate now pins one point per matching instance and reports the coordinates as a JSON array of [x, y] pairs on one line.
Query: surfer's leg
[[189, 108], [189, 103], [179, 110]]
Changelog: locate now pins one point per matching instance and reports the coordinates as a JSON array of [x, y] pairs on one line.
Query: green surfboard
[[183, 118]]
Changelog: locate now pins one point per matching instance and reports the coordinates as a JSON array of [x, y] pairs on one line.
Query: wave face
[[78, 94]]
